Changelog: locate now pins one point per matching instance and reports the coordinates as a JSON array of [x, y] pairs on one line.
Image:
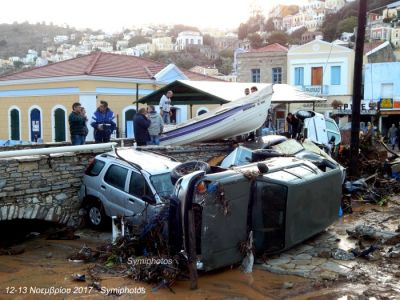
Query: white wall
[[381, 73], [88, 101]]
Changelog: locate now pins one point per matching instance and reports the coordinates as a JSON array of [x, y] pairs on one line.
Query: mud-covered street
[[307, 271]]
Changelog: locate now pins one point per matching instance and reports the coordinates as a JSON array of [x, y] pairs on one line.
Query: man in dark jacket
[[103, 123], [77, 125], [140, 126]]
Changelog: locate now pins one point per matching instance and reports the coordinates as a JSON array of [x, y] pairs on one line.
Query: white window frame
[[30, 121], [53, 123]]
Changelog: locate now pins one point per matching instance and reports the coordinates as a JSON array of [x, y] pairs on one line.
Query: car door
[[333, 131], [316, 129], [113, 189], [138, 197]]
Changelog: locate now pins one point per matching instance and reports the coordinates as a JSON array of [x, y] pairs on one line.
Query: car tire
[[96, 217], [187, 168]]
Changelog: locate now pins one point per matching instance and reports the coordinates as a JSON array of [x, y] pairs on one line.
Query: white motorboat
[[237, 117]]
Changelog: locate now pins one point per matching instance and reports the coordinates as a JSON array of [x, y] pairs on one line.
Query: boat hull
[[227, 122]]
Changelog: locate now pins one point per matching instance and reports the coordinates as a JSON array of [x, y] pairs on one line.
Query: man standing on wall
[[165, 107], [103, 123], [77, 125]]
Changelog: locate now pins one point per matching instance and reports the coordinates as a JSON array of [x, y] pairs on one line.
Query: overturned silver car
[[283, 200]]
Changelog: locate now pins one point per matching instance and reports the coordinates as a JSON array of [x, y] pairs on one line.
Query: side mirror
[[149, 199]]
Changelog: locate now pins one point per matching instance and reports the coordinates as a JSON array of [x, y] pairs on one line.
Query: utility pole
[[357, 86]]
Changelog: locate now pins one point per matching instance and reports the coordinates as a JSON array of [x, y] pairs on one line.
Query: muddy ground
[[43, 267]]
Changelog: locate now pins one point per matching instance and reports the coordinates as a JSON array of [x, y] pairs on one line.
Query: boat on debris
[[235, 118]]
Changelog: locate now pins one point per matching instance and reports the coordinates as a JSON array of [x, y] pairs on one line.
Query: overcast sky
[[112, 15]]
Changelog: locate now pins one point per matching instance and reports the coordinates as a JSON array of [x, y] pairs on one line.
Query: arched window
[[201, 111], [35, 124], [15, 124], [59, 124]]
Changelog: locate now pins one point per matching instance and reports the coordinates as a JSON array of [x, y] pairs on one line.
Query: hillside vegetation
[[16, 39]]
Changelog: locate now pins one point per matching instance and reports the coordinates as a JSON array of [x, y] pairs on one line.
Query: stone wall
[[46, 187]]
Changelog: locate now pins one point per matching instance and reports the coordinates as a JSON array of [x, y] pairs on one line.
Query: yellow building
[[36, 103]]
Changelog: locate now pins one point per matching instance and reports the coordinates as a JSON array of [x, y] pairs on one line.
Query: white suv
[[127, 183]]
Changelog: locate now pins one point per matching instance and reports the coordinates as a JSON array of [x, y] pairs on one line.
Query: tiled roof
[[100, 64], [371, 46], [271, 48]]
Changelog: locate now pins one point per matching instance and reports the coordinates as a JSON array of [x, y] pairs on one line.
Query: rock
[[303, 256], [49, 199], [334, 267], [305, 267], [2, 183], [278, 261], [50, 214], [324, 254], [287, 285], [61, 197], [288, 266], [315, 261], [273, 269], [49, 255], [329, 275], [341, 254], [4, 211], [301, 262]]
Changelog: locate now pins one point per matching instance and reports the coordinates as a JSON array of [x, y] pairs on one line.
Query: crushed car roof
[[153, 163]]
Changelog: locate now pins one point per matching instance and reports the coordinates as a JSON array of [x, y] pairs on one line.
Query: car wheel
[[95, 215], [187, 168]]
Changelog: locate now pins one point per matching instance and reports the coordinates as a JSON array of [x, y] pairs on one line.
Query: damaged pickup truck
[[282, 200]]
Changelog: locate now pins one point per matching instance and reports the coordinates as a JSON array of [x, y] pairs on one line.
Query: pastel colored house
[[322, 69]]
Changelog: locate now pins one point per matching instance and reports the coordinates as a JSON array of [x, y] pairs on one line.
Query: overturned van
[[283, 200]]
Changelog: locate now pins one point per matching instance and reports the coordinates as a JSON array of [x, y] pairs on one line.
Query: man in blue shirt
[[103, 123]]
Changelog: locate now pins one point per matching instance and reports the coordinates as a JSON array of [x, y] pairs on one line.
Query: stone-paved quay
[[311, 260], [377, 273]]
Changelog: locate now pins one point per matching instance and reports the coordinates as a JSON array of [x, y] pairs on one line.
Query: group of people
[[394, 136], [102, 122], [148, 124], [253, 89]]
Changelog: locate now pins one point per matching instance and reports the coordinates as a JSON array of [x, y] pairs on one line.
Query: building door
[[14, 123], [59, 125], [316, 76], [36, 126], [129, 115]]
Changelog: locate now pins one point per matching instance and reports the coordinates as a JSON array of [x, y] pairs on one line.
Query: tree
[[295, 36], [179, 28], [328, 27], [208, 40], [346, 25], [18, 64], [226, 53], [243, 31], [278, 37], [139, 39], [255, 40], [269, 25]]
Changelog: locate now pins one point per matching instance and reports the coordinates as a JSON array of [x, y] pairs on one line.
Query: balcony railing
[[316, 90]]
